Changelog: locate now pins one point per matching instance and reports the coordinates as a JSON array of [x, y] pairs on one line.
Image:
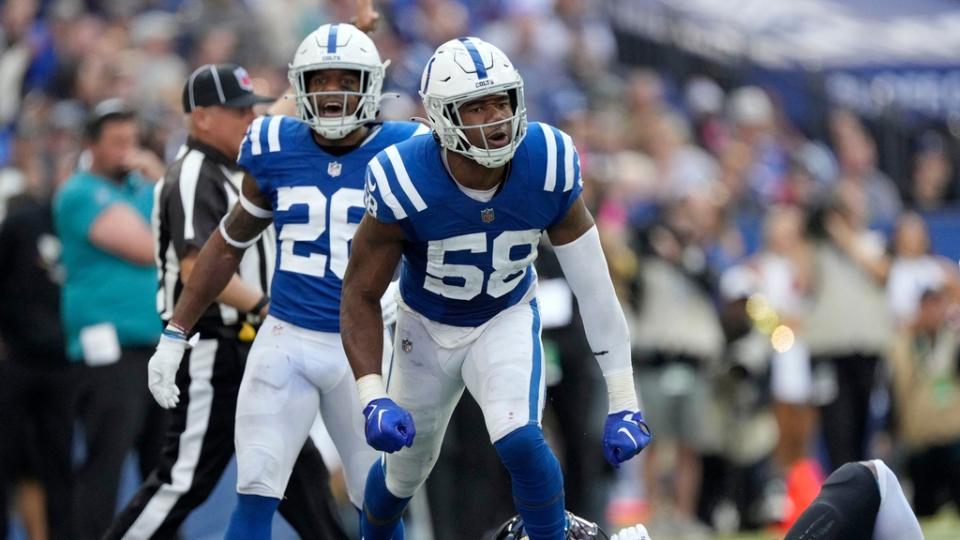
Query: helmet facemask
[[444, 115], [330, 127]]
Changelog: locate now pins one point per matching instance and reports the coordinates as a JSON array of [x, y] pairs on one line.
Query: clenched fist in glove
[[625, 434], [388, 426]]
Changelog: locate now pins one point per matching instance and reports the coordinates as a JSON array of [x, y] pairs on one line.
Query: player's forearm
[[361, 329], [215, 266], [585, 270]]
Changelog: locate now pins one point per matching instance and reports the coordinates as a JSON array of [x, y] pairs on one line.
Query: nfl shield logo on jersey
[[406, 345], [487, 215], [334, 168]]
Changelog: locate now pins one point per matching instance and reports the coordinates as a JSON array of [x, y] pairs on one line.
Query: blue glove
[[388, 426], [625, 434]]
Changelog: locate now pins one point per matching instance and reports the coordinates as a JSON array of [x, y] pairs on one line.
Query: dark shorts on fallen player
[[845, 509]]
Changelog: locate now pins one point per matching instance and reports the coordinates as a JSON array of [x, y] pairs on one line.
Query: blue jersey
[[317, 201], [464, 260]]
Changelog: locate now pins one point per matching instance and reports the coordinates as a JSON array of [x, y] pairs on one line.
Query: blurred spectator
[[681, 167], [645, 103], [915, 268], [37, 383], [101, 216], [752, 116], [849, 324], [857, 157], [27, 61], [926, 362], [930, 187], [784, 268], [705, 100], [736, 490], [674, 283]]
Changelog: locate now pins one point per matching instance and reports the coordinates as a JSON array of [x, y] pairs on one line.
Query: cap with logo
[[225, 85]]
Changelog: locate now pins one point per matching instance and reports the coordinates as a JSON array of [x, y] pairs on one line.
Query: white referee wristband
[[621, 391], [370, 387]]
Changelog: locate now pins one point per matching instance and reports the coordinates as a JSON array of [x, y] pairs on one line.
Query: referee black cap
[[226, 85]]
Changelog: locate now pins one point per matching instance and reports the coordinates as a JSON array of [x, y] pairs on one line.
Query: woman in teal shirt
[[109, 309]]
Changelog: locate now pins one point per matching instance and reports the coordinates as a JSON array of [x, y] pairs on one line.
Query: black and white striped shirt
[[198, 189]]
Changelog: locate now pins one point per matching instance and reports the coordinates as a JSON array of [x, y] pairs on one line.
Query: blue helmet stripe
[[332, 40], [477, 60], [426, 83]]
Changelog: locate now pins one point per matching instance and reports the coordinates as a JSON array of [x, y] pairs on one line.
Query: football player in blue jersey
[[306, 177], [465, 210]]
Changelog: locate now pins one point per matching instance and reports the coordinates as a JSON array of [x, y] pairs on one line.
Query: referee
[[198, 189]]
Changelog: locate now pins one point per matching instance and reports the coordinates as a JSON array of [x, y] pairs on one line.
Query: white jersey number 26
[[341, 231]]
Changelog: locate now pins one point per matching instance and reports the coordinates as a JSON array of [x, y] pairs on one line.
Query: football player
[[861, 500], [306, 177], [577, 529], [465, 210]]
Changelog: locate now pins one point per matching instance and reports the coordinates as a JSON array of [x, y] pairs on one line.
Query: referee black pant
[[199, 444]]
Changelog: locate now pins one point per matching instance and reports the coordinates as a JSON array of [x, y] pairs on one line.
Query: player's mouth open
[[332, 108], [498, 139]]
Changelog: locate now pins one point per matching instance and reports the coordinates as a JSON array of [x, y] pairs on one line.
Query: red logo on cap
[[243, 79]]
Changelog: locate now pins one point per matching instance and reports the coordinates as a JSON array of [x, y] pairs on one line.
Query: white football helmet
[[337, 46], [463, 70]]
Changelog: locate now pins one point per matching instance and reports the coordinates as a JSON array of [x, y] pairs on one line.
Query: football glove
[[637, 532], [163, 366], [625, 434], [388, 426]]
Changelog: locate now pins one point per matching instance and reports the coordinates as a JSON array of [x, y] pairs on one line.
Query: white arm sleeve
[[895, 519], [585, 270]]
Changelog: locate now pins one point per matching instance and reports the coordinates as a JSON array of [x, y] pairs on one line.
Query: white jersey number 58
[[507, 272]]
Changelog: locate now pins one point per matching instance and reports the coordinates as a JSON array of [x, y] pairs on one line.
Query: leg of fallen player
[[860, 500]]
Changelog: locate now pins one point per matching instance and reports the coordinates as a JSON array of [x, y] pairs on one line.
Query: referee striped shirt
[[198, 189]]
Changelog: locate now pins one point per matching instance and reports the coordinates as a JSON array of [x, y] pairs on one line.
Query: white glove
[[163, 366], [637, 532], [388, 303]]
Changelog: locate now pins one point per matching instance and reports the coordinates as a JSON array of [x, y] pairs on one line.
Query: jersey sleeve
[[78, 205], [259, 144], [562, 177], [373, 194], [390, 195]]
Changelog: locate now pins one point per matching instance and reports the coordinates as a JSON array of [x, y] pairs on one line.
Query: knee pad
[[259, 472], [508, 406], [406, 473]]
